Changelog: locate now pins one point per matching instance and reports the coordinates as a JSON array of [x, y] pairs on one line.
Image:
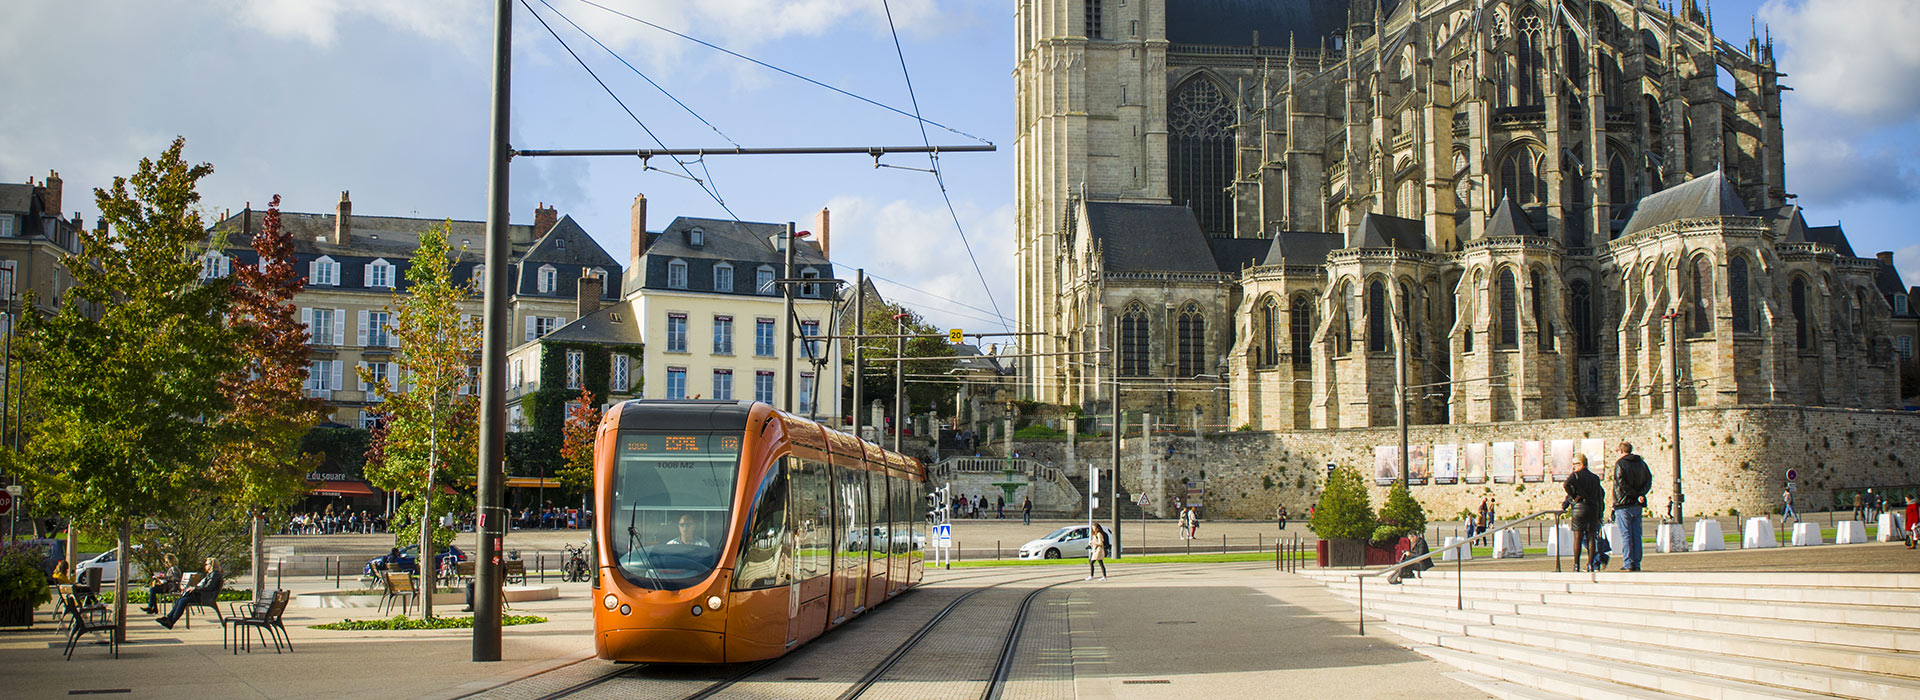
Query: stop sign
[[6, 502]]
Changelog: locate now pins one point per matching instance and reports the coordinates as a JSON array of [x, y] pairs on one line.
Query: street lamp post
[[1673, 357]]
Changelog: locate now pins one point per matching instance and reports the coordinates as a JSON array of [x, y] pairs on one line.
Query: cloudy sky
[[388, 99]]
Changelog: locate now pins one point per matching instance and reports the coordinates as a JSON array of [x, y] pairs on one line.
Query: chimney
[[1886, 257], [820, 223], [544, 217], [587, 293], [50, 195], [636, 244], [343, 221]]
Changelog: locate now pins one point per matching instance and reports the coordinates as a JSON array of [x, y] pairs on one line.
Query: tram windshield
[[672, 495]]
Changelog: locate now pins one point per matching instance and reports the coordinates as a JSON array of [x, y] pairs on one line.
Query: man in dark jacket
[[205, 591], [1584, 498], [1631, 481]]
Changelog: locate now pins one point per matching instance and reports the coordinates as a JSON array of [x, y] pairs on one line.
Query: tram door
[[879, 543], [853, 530]]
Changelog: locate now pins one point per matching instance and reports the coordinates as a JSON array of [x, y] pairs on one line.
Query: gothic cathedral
[[1282, 214]]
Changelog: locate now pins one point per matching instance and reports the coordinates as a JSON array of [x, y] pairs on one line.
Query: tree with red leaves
[[576, 447], [262, 465]]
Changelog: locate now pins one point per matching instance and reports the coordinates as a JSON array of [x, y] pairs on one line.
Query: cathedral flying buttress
[[1290, 215]]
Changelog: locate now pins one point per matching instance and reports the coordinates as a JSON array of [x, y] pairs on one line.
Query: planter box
[[15, 613], [1341, 552]]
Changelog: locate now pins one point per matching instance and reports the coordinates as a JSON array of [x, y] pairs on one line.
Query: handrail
[[1360, 578]]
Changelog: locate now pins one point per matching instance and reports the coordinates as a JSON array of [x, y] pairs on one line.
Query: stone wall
[[1732, 458]]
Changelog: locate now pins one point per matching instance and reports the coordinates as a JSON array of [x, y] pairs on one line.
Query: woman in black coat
[[1585, 497]]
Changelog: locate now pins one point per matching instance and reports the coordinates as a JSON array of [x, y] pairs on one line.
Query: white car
[[109, 566], [1070, 541]]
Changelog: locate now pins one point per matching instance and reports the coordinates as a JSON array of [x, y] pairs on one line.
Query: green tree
[[262, 466], [583, 422], [878, 384], [430, 437], [127, 371], [1345, 512], [1401, 515]]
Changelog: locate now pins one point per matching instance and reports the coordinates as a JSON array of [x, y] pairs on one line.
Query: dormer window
[[1899, 304], [479, 277], [380, 274], [548, 279], [723, 277], [677, 274], [214, 265], [763, 280], [810, 290], [323, 271], [696, 238]]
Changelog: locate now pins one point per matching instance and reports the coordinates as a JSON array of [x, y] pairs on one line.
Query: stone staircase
[[1723, 636]]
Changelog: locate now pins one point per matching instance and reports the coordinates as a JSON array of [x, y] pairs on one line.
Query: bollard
[[1223, 543], [279, 567], [539, 562], [996, 549], [336, 571]]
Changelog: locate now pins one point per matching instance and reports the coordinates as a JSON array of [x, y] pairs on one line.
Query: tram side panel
[[850, 530], [810, 524]]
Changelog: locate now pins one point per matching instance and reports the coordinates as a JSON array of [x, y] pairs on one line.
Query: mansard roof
[[1149, 237], [1234, 22], [1382, 231], [614, 324], [567, 243], [1706, 196], [1887, 278], [1508, 220]]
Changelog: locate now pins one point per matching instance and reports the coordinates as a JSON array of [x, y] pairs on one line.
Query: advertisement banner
[[1446, 464], [1473, 468], [1533, 460], [1560, 456], [1500, 465], [1386, 464]]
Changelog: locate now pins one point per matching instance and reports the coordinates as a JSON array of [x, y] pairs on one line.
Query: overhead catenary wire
[[637, 71], [786, 72], [934, 159]]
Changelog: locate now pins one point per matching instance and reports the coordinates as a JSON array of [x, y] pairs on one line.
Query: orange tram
[[729, 531]]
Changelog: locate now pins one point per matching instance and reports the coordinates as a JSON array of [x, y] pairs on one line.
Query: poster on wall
[[1473, 467], [1596, 451], [1533, 460], [1501, 463], [1386, 464], [1417, 465], [1446, 464], [1560, 456]]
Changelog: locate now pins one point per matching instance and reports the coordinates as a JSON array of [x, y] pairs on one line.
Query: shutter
[[306, 320], [530, 326], [361, 368], [335, 385], [362, 328], [366, 275], [393, 339], [394, 379], [313, 272], [339, 326]]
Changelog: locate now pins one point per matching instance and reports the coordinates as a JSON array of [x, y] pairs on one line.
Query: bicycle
[[575, 568]]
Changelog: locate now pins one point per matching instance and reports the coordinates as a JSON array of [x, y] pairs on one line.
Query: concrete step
[[1627, 596], [1502, 690], [1594, 668], [1571, 685], [1834, 589]]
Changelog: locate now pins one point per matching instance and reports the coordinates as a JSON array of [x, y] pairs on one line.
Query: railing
[[1460, 599]]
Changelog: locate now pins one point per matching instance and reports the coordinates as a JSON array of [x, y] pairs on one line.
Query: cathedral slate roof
[[1706, 196], [1233, 22], [1508, 220], [1832, 236], [1231, 254], [1303, 247], [1149, 237], [1787, 223], [1887, 278], [1382, 231]]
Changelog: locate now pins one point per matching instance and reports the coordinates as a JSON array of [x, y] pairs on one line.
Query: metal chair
[[266, 618], [87, 619]]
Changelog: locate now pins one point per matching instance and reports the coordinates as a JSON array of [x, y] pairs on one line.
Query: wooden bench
[[514, 571]]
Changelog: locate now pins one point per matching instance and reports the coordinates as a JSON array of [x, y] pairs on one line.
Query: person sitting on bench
[[205, 591]]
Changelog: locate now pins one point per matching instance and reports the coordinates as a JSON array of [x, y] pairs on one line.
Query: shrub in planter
[[1400, 516], [1344, 517], [23, 584]]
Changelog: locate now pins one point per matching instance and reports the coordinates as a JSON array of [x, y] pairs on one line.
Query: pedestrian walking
[[1859, 507], [1786, 498], [1186, 524], [1026, 511], [1282, 516], [1913, 527], [1000, 507], [1584, 496], [1631, 481], [1193, 523], [1097, 552], [1486, 515]]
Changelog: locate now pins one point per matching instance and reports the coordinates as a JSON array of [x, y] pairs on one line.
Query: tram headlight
[[713, 602], [610, 601], [696, 610], [625, 610]]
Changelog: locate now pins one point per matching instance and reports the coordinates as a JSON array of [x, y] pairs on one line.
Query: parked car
[[109, 565], [1070, 542], [876, 540], [409, 553]]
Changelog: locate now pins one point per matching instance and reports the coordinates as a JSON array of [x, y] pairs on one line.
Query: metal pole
[[1673, 353], [428, 572], [786, 401], [1113, 348], [493, 352], [899, 377], [1400, 379], [859, 333]]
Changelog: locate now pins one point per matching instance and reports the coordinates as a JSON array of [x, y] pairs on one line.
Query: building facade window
[[723, 384], [1701, 312], [380, 274], [1133, 342], [763, 337], [806, 393], [1509, 331], [1376, 317], [549, 279], [763, 280], [811, 291], [539, 326], [214, 265], [1200, 121], [697, 238], [516, 373], [677, 274], [811, 349], [676, 383], [622, 380], [763, 386], [576, 366], [1797, 296], [321, 331], [1192, 342], [1093, 20], [369, 420], [676, 332], [1900, 304], [478, 279], [1739, 295], [516, 419], [377, 333], [723, 277], [1301, 328], [1905, 344], [323, 271], [1522, 177], [1586, 339], [723, 335], [1269, 350]]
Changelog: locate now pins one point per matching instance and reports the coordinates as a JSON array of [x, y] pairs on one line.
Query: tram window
[[812, 519], [901, 533], [877, 514], [765, 556], [853, 513], [671, 500]]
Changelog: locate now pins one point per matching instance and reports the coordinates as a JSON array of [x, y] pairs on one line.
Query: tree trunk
[[427, 567], [121, 574], [259, 555]]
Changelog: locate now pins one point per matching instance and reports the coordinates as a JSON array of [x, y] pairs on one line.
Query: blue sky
[[306, 98]]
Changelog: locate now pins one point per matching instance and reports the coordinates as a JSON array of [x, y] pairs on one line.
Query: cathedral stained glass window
[[1521, 178], [1133, 342], [1269, 349], [1536, 297], [1192, 342], [1302, 330], [1200, 153], [1531, 59], [1701, 293], [1376, 317], [1580, 298], [1737, 294], [1509, 331], [1798, 295]]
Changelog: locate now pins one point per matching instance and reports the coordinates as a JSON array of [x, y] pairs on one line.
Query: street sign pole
[[493, 358]]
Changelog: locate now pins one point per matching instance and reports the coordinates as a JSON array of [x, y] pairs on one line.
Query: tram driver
[[689, 532]]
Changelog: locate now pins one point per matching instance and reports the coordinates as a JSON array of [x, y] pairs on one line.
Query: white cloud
[[1831, 169], [1908, 259], [915, 244], [1855, 58]]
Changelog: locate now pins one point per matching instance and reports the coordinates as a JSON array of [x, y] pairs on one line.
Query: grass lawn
[[1136, 559]]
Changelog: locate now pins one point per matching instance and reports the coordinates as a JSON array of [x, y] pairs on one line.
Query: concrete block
[[1462, 554], [1850, 532], [1807, 535], [1758, 534], [1707, 537], [1671, 537], [1506, 545], [1891, 529], [1560, 541]]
